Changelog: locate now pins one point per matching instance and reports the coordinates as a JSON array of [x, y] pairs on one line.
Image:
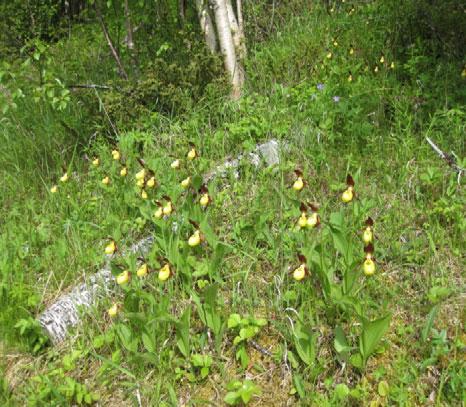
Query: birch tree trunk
[[227, 46], [242, 38], [233, 24], [207, 25], [237, 33], [129, 28]]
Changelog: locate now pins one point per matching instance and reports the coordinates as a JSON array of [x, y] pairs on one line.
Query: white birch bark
[[207, 25], [64, 314], [242, 38], [233, 24], [227, 46], [129, 29], [238, 36]]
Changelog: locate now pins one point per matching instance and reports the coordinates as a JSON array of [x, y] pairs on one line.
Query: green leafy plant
[[241, 392], [246, 328], [32, 332]]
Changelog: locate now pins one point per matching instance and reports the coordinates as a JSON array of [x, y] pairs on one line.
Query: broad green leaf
[[356, 361], [305, 343], [234, 320], [372, 332], [249, 332], [182, 333], [234, 385], [231, 398], [342, 391], [299, 385], [437, 294], [340, 342], [204, 372], [429, 323], [383, 388], [148, 342]]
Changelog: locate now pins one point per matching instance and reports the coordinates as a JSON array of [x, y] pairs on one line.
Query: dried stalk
[[121, 69]]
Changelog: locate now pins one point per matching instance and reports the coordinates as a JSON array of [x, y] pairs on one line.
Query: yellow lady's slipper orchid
[[351, 51], [106, 180], [195, 239], [192, 154], [110, 248], [313, 220], [376, 69], [205, 200], [302, 221], [123, 277], [116, 155], [175, 164], [124, 172], [382, 59], [54, 189], [142, 271], [96, 162], [144, 194], [350, 78], [300, 272], [151, 182], [369, 267], [140, 175], [329, 55], [113, 310], [164, 272], [392, 65], [186, 182], [140, 183], [347, 195], [158, 213], [64, 177], [298, 185], [168, 208], [367, 236]]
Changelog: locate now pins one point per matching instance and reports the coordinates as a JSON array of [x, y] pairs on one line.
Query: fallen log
[[65, 313]]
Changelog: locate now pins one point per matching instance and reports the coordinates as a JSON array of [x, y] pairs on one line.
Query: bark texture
[[227, 46], [65, 313], [129, 29], [207, 25]]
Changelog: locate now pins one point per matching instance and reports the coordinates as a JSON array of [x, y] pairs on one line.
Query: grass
[[374, 131]]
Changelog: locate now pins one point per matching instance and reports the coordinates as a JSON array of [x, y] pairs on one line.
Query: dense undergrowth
[[344, 97]]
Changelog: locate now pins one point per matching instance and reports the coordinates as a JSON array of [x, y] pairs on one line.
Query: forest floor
[[234, 321]]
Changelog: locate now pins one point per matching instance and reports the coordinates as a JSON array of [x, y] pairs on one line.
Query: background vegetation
[[365, 112]]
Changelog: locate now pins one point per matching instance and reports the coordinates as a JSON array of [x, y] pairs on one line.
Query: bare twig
[[449, 158], [260, 348], [121, 69], [90, 86], [138, 397]]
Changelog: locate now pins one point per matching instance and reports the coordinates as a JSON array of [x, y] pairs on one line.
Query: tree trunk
[[233, 24], [242, 38], [237, 33], [129, 28], [227, 46], [207, 26]]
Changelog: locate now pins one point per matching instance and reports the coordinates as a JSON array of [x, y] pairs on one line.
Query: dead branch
[[121, 69], [90, 86], [449, 158]]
